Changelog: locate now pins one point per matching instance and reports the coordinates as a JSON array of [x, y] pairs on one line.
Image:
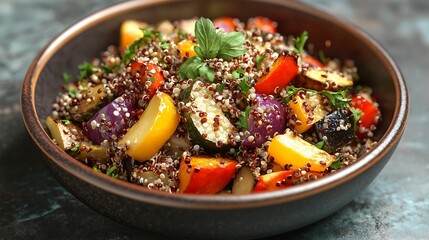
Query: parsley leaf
[[243, 121], [67, 77], [237, 73], [337, 99], [357, 114], [220, 87], [259, 59], [244, 86], [336, 164], [320, 144], [75, 148], [322, 57], [195, 67], [300, 42], [66, 122], [110, 171], [85, 70]]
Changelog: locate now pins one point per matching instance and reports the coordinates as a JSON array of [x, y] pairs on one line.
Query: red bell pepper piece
[[313, 62], [148, 72], [370, 117], [281, 73], [263, 23]]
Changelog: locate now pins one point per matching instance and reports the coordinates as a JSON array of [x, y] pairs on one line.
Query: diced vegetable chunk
[[371, 115], [319, 79], [244, 181], [130, 31], [284, 69], [155, 126], [336, 129], [291, 150], [266, 118], [66, 134], [306, 109], [205, 175]]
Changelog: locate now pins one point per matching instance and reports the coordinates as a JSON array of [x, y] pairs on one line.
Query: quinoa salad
[[214, 106]]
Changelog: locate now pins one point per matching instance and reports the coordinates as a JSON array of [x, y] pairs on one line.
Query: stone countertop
[[34, 206]]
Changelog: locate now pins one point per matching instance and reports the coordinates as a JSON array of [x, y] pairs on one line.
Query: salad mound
[[207, 107]]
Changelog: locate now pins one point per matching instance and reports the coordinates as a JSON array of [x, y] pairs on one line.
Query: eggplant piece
[[319, 79], [336, 129], [207, 125]]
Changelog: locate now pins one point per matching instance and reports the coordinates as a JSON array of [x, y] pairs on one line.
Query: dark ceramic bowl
[[219, 216]]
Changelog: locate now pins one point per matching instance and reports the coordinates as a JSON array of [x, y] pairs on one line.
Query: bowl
[[215, 216]]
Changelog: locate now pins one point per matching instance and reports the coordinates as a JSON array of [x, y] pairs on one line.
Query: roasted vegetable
[[206, 123], [91, 100], [95, 153], [266, 117], [277, 180], [149, 74], [129, 32], [265, 24], [309, 61], [66, 134], [205, 175], [370, 115], [336, 129], [155, 126], [305, 110], [319, 79], [186, 48], [244, 181], [283, 71], [294, 152], [110, 121]]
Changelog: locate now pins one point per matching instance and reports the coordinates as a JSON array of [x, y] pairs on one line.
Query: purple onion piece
[[110, 121], [267, 116]]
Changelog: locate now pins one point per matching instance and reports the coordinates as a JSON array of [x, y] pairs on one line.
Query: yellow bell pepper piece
[[308, 110], [186, 48], [129, 32], [155, 126], [290, 149]]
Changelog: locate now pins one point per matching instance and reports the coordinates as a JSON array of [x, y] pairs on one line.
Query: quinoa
[[222, 107]]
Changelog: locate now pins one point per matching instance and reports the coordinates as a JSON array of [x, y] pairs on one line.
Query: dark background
[[34, 206]]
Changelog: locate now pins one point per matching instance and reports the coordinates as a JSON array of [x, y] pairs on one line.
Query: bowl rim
[[138, 193]]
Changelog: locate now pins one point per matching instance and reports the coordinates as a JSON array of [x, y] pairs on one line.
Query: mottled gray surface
[[34, 206]]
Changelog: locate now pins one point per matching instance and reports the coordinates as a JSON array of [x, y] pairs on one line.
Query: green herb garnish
[[96, 169], [66, 121], [357, 114], [165, 45], [220, 87], [243, 121], [336, 164], [322, 57], [67, 77], [337, 99], [147, 35], [237, 73], [244, 86], [85, 70], [110, 171], [300, 42], [211, 44], [320, 144], [75, 148], [259, 60]]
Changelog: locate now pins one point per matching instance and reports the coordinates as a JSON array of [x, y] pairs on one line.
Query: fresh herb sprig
[[243, 121], [336, 164], [211, 44], [357, 114], [337, 99], [300, 42]]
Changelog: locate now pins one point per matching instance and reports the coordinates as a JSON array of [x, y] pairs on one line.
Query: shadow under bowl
[[218, 216]]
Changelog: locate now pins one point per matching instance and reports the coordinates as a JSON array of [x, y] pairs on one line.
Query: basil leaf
[[208, 40], [232, 45]]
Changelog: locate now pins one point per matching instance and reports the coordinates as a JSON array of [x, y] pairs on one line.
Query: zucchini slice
[[319, 79], [206, 123], [93, 98]]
